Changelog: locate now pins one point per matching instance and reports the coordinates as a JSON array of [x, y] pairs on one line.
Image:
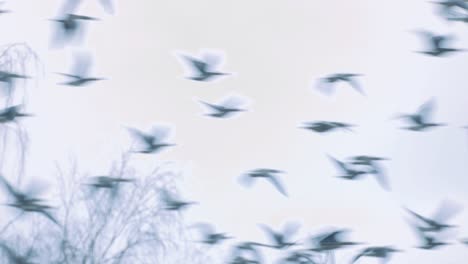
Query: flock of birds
[[316, 249]]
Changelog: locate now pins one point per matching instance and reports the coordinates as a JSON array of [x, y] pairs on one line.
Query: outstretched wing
[[82, 64], [159, 133], [426, 110], [380, 176], [276, 182], [108, 6], [198, 65], [446, 210], [8, 186]]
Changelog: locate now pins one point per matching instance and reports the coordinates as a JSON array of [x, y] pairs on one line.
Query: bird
[[429, 241], [420, 121], [80, 72], [349, 173], [108, 182], [268, 174], [172, 203], [325, 83], [365, 160], [204, 68], [280, 240], [8, 77], [68, 27], [226, 108], [453, 3], [437, 44], [246, 252], [152, 142], [26, 201], [331, 241], [299, 257], [437, 223], [15, 258], [384, 253], [210, 236], [11, 114], [326, 126], [4, 11]]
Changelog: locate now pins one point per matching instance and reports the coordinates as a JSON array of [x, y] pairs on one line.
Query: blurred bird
[[80, 72], [11, 113], [436, 43], [204, 68], [26, 201], [383, 253], [173, 204], [437, 222], [15, 258], [268, 174], [210, 236], [349, 173], [3, 11], [325, 84], [107, 182], [246, 252], [225, 108], [453, 3], [299, 257], [8, 77], [152, 142], [419, 121], [429, 241], [280, 240], [326, 126], [365, 160], [69, 27], [331, 241]]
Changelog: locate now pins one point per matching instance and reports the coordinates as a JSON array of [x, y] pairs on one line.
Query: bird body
[[203, 69], [326, 82], [325, 126], [268, 174]]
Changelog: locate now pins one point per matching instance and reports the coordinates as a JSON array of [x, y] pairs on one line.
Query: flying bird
[[152, 142], [11, 114], [429, 241], [69, 27], [268, 174], [281, 239], [204, 69], [420, 121], [326, 126], [331, 241], [225, 108], [349, 173], [172, 203], [210, 236], [107, 182], [326, 83], [383, 253], [437, 44], [80, 75], [437, 222]]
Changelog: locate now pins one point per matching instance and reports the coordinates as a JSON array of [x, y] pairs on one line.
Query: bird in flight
[[383, 253], [172, 203], [280, 239], [226, 108], [429, 241], [152, 142], [437, 47], [11, 113], [204, 69], [331, 241], [326, 126], [108, 183], [68, 28], [79, 75], [420, 121], [326, 84], [210, 236], [268, 174], [437, 222]]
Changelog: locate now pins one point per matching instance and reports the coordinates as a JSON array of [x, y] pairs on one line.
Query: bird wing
[[339, 164], [324, 86], [35, 187], [141, 136], [290, 229], [82, 64], [381, 177], [49, 216], [217, 108], [358, 256], [8, 187], [356, 85], [108, 6], [159, 133], [446, 210], [276, 182], [272, 235], [232, 102], [199, 65], [212, 60], [420, 217], [69, 6], [426, 110]]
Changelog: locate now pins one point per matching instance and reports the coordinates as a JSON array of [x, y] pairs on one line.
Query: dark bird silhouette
[[106, 182], [15, 258], [383, 253], [331, 241], [326, 126], [429, 241], [299, 257], [172, 203], [226, 108], [80, 72], [69, 27], [282, 239], [152, 142], [453, 3], [210, 236], [268, 174], [365, 160], [204, 69], [437, 45], [11, 114], [326, 83], [26, 201], [420, 121], [349, 173], [437, 222], [246, 252]]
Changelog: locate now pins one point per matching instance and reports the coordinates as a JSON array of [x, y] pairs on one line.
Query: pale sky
[[277, 49]]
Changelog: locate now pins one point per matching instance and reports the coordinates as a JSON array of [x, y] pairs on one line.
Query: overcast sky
[[277, 49]]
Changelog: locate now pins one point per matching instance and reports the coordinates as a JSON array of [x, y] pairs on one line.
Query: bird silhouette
[[331, 241], [383, 253], [26, 201], [152, 142], [11, 114], [173, 204], [204, 69], [436, 223], [68, 28], [326, 83], [226, 108], [420, 121], [326, 126], [80, 72], [107, 182], [280, 239], [429, 242], [299, 257], [210, 236], [349, 173], [268, 174], [437, 45]]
